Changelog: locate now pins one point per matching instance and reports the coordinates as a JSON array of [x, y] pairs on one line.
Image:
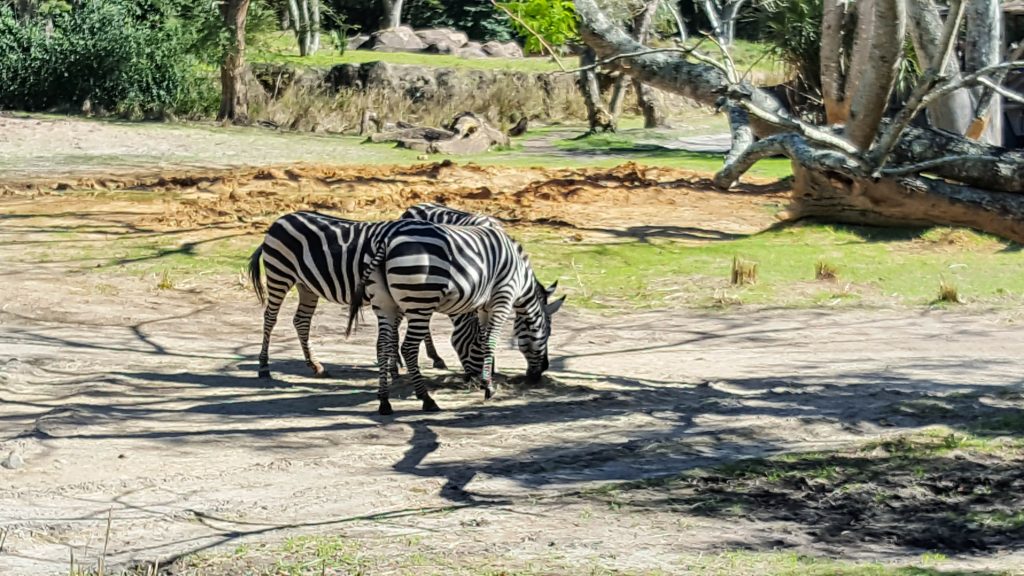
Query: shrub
[[116, 54]]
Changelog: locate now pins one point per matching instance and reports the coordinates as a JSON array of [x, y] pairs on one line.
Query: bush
[[118, 55]]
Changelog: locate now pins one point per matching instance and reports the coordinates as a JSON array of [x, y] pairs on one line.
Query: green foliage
[[109, 52], [792, 31], [554, 20]]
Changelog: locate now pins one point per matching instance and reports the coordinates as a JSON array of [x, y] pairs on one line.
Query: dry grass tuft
[[165, 282], [948, 292], [743, 272], [311, 108], [825, 271]]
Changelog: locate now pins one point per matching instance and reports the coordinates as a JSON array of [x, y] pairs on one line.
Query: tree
[[304, 18], [876, 168], [234, 98], [392, 13], [722, 16]]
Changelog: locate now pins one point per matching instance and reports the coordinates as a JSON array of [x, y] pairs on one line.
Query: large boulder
[[440, 48], [400, 39], [494, 49], [471, 50], [447, 36], [356, 42], [512, 50]]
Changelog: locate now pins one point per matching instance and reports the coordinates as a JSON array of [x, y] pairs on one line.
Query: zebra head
[[533, 328]]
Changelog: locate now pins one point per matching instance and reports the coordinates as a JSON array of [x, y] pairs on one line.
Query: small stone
[[13, 461]]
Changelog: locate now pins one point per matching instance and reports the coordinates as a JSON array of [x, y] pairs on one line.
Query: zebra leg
[[499, 313], [432, 351], [277, 289], [303, 318], [464, 339], [418, 328], [387, 337]]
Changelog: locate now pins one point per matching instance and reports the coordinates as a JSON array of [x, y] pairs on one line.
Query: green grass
[[794, 564], [876, 268], [903, 269]]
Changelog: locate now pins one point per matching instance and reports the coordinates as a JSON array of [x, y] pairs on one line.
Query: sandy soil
[[142, 406]]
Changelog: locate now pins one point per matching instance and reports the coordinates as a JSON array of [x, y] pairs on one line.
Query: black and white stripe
[[422, 268], [324, 257]]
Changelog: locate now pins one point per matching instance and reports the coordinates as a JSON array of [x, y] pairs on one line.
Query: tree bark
[[881, 27], [392, 13], [983, 48], [234, 98], [904, 202], [833, 79]]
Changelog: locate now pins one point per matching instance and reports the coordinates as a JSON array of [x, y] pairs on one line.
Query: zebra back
[[439, 214]]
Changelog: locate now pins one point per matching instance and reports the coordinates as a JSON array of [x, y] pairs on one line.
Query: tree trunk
[[714, 19], [983, 48], [234, 101], [729, 15], [296, 21], [833, 77], [904, 202], [392, 13], [314, 26], [598, 118], [881, 27], [953, 112], [648, 98], [618, 94]]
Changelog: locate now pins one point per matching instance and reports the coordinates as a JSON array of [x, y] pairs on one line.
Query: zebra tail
[[360, 292], [254, 275]]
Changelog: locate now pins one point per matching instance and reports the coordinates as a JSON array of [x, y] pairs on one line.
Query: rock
[[401, 39], [356, 42], [452, 38], [440, 48], [471, 50], [512, 50], [13, 461], [494, 49]]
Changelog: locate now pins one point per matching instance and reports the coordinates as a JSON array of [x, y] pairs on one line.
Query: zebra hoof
[[440, 365], [488, 392], [385, 408], [430, 406], [318, 371], [264, 372]]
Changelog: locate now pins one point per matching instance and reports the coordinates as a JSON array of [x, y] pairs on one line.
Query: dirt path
[[121, 400], [145, 406]]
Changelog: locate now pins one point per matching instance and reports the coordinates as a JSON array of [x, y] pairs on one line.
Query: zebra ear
[[554, 306], [550, 290]]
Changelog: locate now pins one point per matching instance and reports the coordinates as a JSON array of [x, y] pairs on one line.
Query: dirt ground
[[139, 425]]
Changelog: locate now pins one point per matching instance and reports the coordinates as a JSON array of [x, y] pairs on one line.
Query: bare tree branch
[[1001, 90], [928, 165]]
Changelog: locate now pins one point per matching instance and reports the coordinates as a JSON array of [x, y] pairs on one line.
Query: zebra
[[323, 256], [440, 214], [422, 268]]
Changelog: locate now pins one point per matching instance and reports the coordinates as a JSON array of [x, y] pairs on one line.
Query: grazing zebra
[[439, 214], [423, 268], [324, 257]]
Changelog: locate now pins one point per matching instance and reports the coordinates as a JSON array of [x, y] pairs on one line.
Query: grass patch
[[659, 272], [648, 273], [741, 563], [940, 490]]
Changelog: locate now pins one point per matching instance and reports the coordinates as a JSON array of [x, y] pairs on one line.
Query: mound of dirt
[[617, 198]]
